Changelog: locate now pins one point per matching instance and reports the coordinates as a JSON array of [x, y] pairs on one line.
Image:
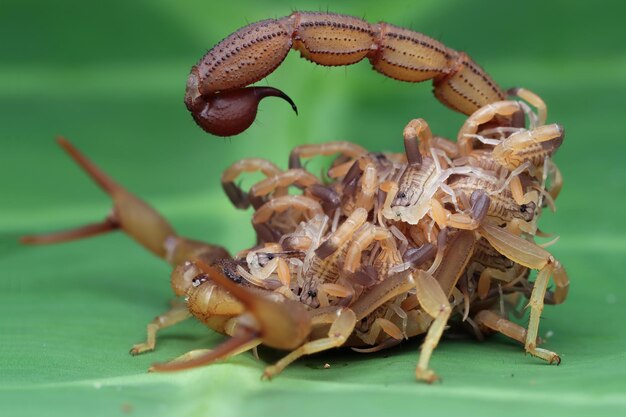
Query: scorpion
[[392, 245]]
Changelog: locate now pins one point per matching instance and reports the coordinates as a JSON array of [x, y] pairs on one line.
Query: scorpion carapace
[[220, 104]]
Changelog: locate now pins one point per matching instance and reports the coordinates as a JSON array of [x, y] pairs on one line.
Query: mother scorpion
[[394, 245]]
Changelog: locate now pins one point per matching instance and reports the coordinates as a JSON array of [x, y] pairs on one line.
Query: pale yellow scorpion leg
[[349, 149], [173, 316], [532, 256], [480, 116], [433, 293], [380, 325], [342, 234], [493, 321], [435, 303], [535, 100], [235, 194], [282, 180]]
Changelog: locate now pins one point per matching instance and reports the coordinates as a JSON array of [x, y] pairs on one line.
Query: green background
[[110, 76]]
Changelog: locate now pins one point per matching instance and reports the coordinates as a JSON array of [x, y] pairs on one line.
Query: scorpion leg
[[556, 180], [458, 252], [349, 149], [368, 187], [487, 274], [517, 191], [480, 206], [532, 256], [480, 117], [235, 194], [535, 100], [282, 180], [335, 290], [281, 204], [434, 301], [342, 322], [362, 241], [174, 315], [380, 325], [340, 170], [449, 148], [330, 198], [133, 216], [493, 321], [342, 234]]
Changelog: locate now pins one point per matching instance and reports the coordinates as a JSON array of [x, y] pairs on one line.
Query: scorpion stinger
[[229, 113]]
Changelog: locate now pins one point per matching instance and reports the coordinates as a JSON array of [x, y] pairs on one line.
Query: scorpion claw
[[230, 112], [279, 324]]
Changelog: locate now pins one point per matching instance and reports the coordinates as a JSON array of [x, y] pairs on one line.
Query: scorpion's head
[[187, 275], [407, 206], [308, 295], [527, 211]]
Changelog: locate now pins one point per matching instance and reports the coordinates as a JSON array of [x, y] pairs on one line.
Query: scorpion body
[[392, 245]]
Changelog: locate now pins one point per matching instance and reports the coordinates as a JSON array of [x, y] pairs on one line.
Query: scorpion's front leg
[[174, 315], [221, 105]]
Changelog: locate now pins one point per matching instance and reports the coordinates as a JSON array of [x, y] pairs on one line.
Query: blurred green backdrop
[[110, 76]]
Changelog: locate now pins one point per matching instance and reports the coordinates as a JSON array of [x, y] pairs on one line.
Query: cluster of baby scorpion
[[453, 223]]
